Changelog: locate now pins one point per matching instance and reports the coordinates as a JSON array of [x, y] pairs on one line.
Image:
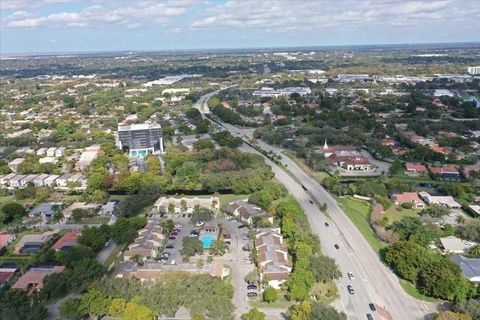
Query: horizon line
[[47, 53]]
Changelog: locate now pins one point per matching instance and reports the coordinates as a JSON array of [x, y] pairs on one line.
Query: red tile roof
[[444, 169], [407, 197], [415, 167], [5, 238], [32, 280], [68, 239]]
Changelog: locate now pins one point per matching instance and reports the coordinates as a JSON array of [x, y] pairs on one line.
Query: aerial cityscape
[[239, 160]]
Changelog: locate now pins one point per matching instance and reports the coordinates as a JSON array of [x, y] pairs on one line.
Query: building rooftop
[[32, 280]]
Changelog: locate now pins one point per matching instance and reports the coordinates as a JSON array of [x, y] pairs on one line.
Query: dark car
[[336, 246], [172, 238], [311, 202], [227, 235], [169, 246], [251, 287], [326, 224], [251, 294], [241, 226], [369, 316], [350, 289], [372, 307]]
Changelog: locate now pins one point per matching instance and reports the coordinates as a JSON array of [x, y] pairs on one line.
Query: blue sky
[[104, 25]]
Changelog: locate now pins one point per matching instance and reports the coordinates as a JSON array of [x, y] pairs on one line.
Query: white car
[[200, 223], [350, 276], [178, 226]]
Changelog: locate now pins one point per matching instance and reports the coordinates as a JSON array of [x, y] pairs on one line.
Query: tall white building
[[474, 70]]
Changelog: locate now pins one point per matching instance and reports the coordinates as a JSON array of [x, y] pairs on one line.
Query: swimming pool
[[207, 240]]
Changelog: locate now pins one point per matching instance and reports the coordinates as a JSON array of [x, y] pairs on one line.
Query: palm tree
[[137, 259], [58, 216], [474, 251]]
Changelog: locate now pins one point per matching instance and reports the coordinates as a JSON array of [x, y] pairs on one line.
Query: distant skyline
[[36, 26]]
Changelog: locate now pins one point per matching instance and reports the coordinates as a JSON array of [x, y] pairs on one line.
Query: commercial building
[[270, 92], [186, 205], [140, 140], [87, 156]]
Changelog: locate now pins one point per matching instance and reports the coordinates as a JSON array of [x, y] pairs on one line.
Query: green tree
[[474, 252], [253, 314], [78, 214], [17, 305], [167, 226], [94, 237], [270, 295], [324, 268], [136, 311], [70, 309], [301, 311], [191, 246], [94, 303], [13, 211], [218, 248], [321, 310], [58, 216]]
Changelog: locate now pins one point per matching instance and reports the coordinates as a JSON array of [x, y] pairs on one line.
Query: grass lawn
[[7, 199], [327, 292], [412, 291], [282, 301], [317, 175], [394, 214], [119, 197], [359, 212], [227, 198]]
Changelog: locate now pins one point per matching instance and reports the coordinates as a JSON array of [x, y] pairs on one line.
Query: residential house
[[86, 158], [39, 180], [474, 209], [452, 244], [41, 152], [50, 181], [5, 180], [7, 270], [470, 267], [27, 180], [15, 182], [449, 173], [273, 261], [6, 239], [59, 152], [62, 181], [408, 197], [31, 243], [67, 241], [15, 163], [32, 280], [446, 201], [45, 209], [415, 169]]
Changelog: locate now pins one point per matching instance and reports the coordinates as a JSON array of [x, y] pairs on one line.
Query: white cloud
[[139, 14], [309, 15]]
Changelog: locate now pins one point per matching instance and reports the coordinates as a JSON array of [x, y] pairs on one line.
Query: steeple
[[325, 146]]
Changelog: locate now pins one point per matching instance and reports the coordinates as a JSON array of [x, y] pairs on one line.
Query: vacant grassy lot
[[317, 175], [395, 214], [227, 198], [359, 212]]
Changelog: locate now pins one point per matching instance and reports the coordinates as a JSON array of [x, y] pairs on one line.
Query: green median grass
[[359, 212], [412, 291]]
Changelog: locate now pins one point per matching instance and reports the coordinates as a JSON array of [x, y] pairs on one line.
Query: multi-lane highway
[[373, 282]]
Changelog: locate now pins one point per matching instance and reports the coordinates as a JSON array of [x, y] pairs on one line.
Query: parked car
[[252, 287], [172, 238], [227, 235], [350, 289], [326, 224], [369, 316], [311, 202], [251, 294], [350, 276], [336, 246], [372, 307], [200, 223], [228, 242], [169, 246], [178, 226]]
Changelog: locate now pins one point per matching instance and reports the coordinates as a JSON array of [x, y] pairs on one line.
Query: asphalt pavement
[[374, 282]]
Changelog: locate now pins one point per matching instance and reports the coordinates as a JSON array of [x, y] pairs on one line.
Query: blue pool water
[[207, 240]]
